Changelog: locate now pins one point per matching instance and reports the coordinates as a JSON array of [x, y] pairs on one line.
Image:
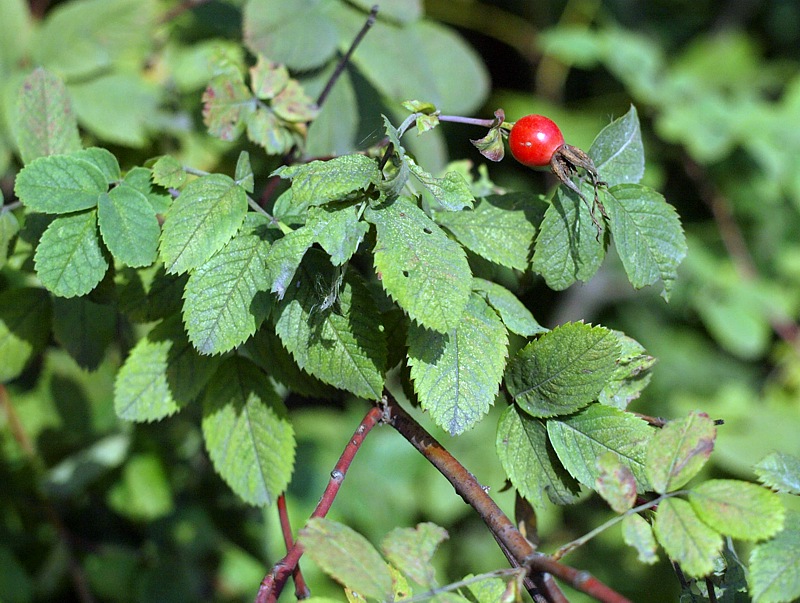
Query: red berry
[[534, 139]]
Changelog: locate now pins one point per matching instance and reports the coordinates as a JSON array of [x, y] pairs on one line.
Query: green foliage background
[[718, 94]]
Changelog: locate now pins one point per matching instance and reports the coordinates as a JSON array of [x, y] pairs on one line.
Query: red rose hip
[[534, 139]]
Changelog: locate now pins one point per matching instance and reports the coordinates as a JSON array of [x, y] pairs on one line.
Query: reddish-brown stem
[[511, 540], [275, 580], [301, 590]]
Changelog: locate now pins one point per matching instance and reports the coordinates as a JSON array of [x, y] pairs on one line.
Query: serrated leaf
[[46, 125], [419, 266], [615, 482], [562, 371], [339, 231], [248, 437], [738, 509], [267, 78], [321, 182], [636, 532], [227, 103], [780, 471], [60, 184], [631, 375], [129, 226], [104, 160], [200, 221], [581, 438], [617, 152], [500, 228], [647, 234], [69, 260], [347, 557], [567, 248], [679, 450], [451, 192], [162, 374], [530, 461], [411, 549], [285, 256], [226, 298], [512, 312], [265, 129], [25, 319], [244, 172], [774, 575], [685, 538], [456, 374], [84, 328], [329, 326], [168, 172]]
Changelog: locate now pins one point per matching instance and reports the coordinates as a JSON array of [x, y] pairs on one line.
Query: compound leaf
[[248, 437], [329, 324], [530, 461], [419, 266], [562, 371], [200, 221], [347, 557], [456, 374], [69, 260]]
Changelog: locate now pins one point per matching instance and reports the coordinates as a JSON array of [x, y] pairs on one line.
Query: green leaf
[[567, 247], [25, 317], [780, 471], [227, 103], [69, 260], [339, 231], [636, 532], [451, 193], [268, 78], [9, 227], [581, 438], [285, 256], [499, 229], [738, 509], [129, 226], [347, 557], [562, 371], [162, 374], [329, 324], [47, 125], [320, 182], [456, 374], [207, 214], [84, 328], [679, 450], [512, 312], [264, 128], [615, 482], [226, 298], [631, 375], [144, 492], [248, 438], [59, 184], [244, 172], [272, 29], [293, 105], [647, 234], [530, 461], [104, 160], [617, 152], [411, 550], [168, 172], [685, 538], [419, 266], [775, 565]]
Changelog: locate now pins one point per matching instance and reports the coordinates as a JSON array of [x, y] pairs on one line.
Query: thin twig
[[301, 590], [499, 524], [275, 580], [370, 21]]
